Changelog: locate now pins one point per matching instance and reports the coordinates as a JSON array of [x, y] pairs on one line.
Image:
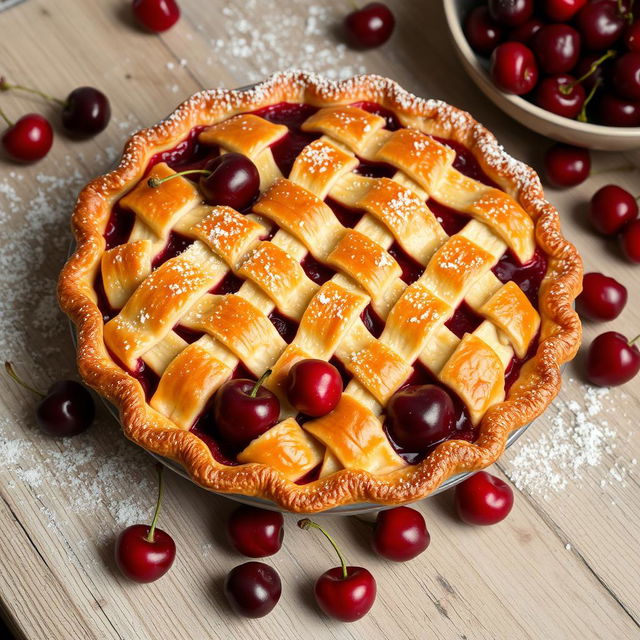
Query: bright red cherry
[[514, 68], [632, 36], [602, 298], [630, 240], [244, 410], [420, 416], [482, 31], [562, 10], [600, 24], [626, 75], [483, 499], [314, 387], [28, 139], [255, 532], [560, 94], [566, 165], [611, 208], [557, 47], [612, 359], [86, 111], [525, 32], [616, 112], [511, 13], [253, 589], [345, 593], [233, 181], [144, 553], [156, 15], [370, 26], [400, 534]]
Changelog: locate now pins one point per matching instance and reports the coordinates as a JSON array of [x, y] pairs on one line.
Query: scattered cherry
[[626, 75], [314, 387], [630, 240], [560, 94], [600, 24], [557, 47], [345, 593], [566, 165], [370, 26], [400, 534], [616, 112], [612, 359], [156, 15], [511, 13], [482, 31], [525, 32], [514, 68], [602, 298], [632, 36], [144, 553], [255, 532], [562, 10], [253, 589], [86, 111], [244, 410], [28, 139], [611, 208], [420, 416], [483, 499]]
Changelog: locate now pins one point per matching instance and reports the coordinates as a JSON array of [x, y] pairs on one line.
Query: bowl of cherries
[[567, 69]]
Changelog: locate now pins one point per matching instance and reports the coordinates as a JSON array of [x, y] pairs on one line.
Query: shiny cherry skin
[[612, 207], [511, 13], [400, 534], [370, 26], [630, 241], [156, 15], [253, 589], [626, 76], [255, 532], [28, 139], [66, 410], [562, 10], [347, 599], [86, 111], [566, 165], [557, 47], [612, 360], [233, 181], [632, 36], [483, 499], [602, 298], [616, 112], [239, 417], [600, 24], [549, 96], [525, 32], [482, 31], [420, 416], [314, 387], [141, 560], [514, 68]]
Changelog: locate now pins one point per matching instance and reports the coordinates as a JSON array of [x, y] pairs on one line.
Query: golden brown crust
[[537, 385]]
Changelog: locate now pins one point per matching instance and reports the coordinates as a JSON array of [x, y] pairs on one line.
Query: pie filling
[[479, 317]]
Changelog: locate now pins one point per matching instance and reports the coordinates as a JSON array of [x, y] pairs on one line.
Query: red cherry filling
[[483, 499], [514, 68], [602, 298], [253, 589], [611, 208], [566, 165], [314, 387], [255, 532], [612, 360], [28, 139], [370, 26], [400, 534], [156, 15]]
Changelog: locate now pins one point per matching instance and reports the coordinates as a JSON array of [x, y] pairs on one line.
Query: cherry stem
[[582, 116], [152, 530], [16, 378], [566, 89], [6, 86], [156, 182], [5, 118], [307, 524], [259, 383], [632, 342]]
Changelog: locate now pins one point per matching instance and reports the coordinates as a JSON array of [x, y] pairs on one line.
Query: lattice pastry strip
[[123, 268]]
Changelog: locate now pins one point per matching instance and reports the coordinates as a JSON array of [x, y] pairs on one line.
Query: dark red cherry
[[234, 181], [626, 76], [612, 360], [600, 24], [86, 111], [370, 26], [566, 165], [314, 387], [253, 589], [632, 36], [611, 208], [400, 534], [630, 241], [514, 68], [255, 532], [525, 32], [557, 47], [562, 10], [483, 499], [511, 13], [66, 410], [592, 69], [156, 15], [616, 112], [28, 139], [244, 410], [560, 94], [420, 416], [602, 298], [482, 31]]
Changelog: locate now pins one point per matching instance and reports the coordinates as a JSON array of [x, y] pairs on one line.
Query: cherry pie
[[391, 236]]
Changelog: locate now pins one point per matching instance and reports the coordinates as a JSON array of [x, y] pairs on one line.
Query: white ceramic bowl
[[584, 134]]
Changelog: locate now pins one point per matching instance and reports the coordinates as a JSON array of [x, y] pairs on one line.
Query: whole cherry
[[28, 139], [244, 410], [562, 10], [626, 76], [612, 360], [156, 15], [560, 94], [145, 553], [346, 593], [514, 68], [314, 387], [511, 13], [630, 240], [370, 26], [566, 165], [602, 298], [255, 532], [612, 207], [482, 31], [600, 23], [400, 534], [253, 589], [525, 32], [557, 47], [483, 499], [632, 36], [618, 112]]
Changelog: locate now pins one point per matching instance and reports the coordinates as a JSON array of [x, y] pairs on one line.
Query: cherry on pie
[[391, 236]]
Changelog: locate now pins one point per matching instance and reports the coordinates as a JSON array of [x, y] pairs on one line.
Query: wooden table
[[563, 565]]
